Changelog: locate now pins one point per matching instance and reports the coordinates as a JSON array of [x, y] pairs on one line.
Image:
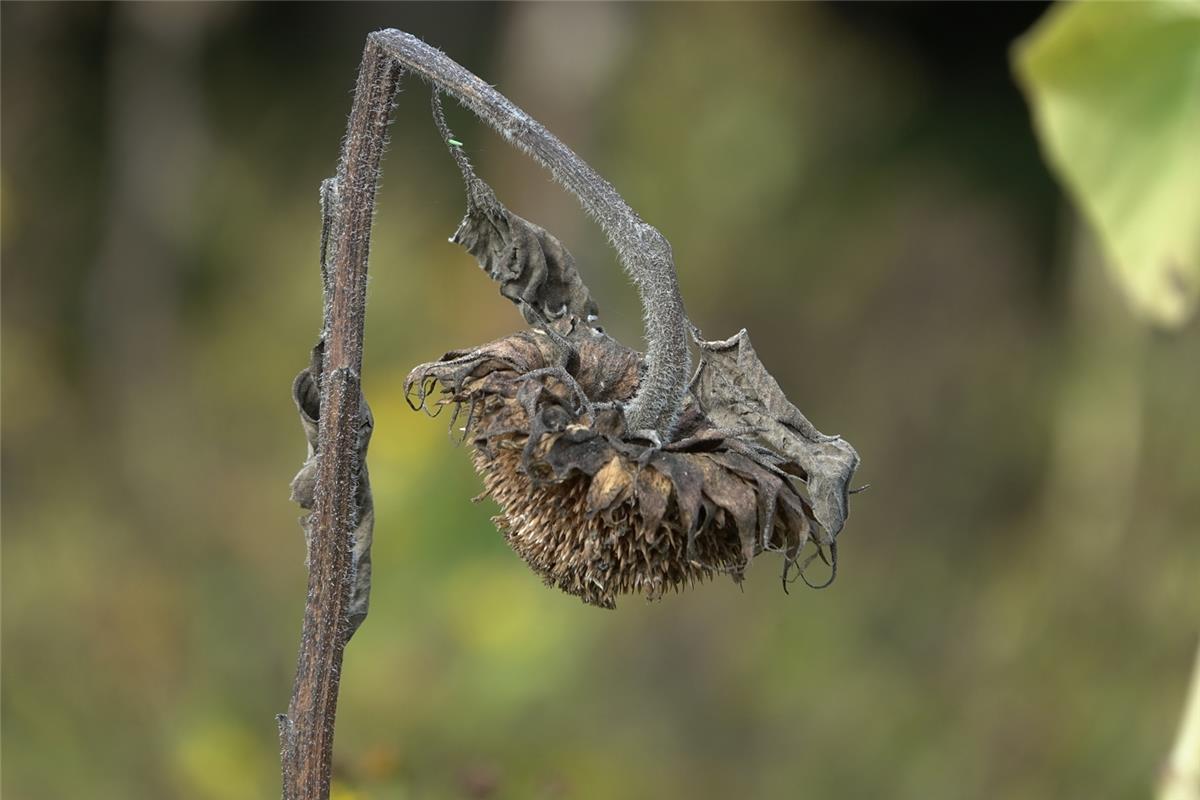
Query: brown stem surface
[[306, 731]]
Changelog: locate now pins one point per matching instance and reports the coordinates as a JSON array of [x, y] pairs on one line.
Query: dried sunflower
[[614, 472], [595, 504]]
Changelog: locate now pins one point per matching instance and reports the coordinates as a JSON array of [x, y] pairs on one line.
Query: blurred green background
[[859, 185]]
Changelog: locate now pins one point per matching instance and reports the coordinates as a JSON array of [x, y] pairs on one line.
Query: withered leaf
[[653, 491], [609, 486], [736, 497], [736, 391], [533, 268], [306, 394]]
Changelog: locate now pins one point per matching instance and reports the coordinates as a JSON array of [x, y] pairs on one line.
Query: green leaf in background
[[1115, 92]]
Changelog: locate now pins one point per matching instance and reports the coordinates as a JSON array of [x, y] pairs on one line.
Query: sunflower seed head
[[590, 507]]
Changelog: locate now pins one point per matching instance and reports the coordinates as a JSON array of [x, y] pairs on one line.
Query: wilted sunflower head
[[593, 507], [598, 511]]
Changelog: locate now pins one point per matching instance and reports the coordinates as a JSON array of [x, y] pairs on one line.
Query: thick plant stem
[[306, 731], [644, 252]]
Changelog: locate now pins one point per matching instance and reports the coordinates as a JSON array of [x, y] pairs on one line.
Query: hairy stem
[[643, 251], [306, 731]]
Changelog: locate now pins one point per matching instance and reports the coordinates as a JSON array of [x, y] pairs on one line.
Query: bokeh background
[[859, 185]]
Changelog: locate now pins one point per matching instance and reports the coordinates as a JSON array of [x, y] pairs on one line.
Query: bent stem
[[644, 253], [306, 731]]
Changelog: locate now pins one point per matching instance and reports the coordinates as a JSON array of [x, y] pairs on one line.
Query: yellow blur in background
[[860, 186]]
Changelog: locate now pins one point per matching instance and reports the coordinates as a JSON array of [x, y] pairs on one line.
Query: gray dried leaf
[[533, 268], [306, 394], [736, 391]]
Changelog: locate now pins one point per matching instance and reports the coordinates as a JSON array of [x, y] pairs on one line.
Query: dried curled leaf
[[533, 268], [735, 390], [306, 394]]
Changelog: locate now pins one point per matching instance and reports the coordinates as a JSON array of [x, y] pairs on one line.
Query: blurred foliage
[[1116, 92], [857, 184]]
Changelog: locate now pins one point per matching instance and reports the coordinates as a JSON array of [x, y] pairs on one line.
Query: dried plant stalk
[[613, 472], [306, 731]]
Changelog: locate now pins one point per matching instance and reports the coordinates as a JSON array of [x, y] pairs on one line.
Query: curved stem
[[643, 251]]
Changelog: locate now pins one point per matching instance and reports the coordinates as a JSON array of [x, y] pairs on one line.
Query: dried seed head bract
[[594, 507]]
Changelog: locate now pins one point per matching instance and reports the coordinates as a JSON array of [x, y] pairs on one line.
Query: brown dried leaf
[[610, 486], [652, 492], [734, 495]]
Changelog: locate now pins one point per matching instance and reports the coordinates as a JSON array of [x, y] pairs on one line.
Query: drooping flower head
[[599, 509]]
